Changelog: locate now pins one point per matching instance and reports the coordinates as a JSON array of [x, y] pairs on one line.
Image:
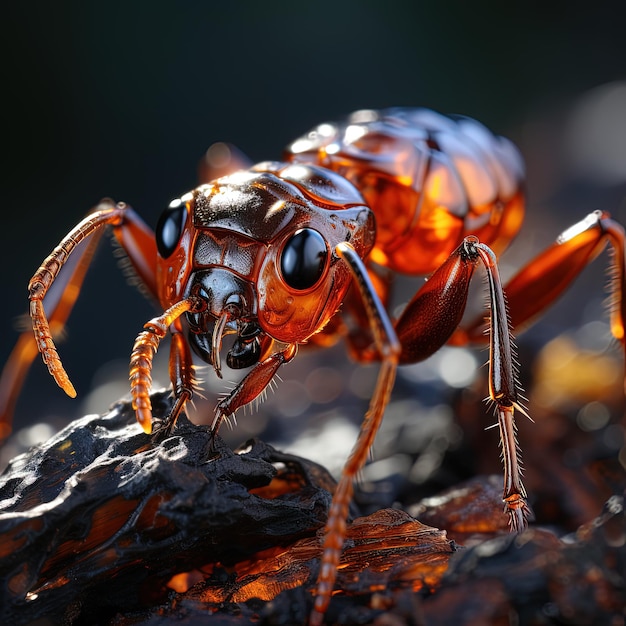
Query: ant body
[[283, 254]]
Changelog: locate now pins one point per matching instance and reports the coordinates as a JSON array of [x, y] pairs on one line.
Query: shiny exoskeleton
[[287, 253]]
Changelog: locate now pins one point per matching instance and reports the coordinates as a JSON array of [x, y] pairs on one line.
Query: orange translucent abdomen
[[430, 180]]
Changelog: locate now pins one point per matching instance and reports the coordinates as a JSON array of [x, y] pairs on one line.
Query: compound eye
[[170, 228], [303, 259]]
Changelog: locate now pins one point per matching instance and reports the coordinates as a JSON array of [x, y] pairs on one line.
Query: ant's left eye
[[303, 259], [170, 228]]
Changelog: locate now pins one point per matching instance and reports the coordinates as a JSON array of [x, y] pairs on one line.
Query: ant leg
[[182, 377], [141, 358], [389, 350], [137, 241], [536, 286], [43, 279], [57, 305], [431, 318], [436, 310], [252, 385], [55, 287], [503, 391]]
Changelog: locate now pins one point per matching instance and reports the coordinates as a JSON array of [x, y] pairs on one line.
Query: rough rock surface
[[103, 525]]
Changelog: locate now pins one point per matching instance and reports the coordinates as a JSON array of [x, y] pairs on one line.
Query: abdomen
[[430, 180]]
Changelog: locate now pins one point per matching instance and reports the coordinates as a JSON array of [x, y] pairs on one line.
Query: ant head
[[302, 281], [276, 227]]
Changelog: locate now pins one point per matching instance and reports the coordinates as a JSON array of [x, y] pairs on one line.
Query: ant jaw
[[219, 329], [244, 353], [207, 341]]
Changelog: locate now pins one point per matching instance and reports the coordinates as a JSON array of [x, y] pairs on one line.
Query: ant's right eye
[[303, 259], [170, 228]]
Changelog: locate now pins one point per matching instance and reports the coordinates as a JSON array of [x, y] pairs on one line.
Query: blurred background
[[122, 99]]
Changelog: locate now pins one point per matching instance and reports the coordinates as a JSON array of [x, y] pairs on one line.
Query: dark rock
[[99, 516], [105, 525]]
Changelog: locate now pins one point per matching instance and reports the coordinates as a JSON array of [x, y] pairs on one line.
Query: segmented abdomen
[[430, 180]]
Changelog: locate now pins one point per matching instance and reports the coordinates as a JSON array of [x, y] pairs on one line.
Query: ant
[[282, 254]]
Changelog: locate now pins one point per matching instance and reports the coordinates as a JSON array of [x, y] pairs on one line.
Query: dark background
[[122, 99]]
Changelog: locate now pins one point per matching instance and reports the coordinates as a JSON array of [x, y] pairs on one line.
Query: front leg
[[181, 371], [388, 348], [54, 288], [252, 386], [142, 356]]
